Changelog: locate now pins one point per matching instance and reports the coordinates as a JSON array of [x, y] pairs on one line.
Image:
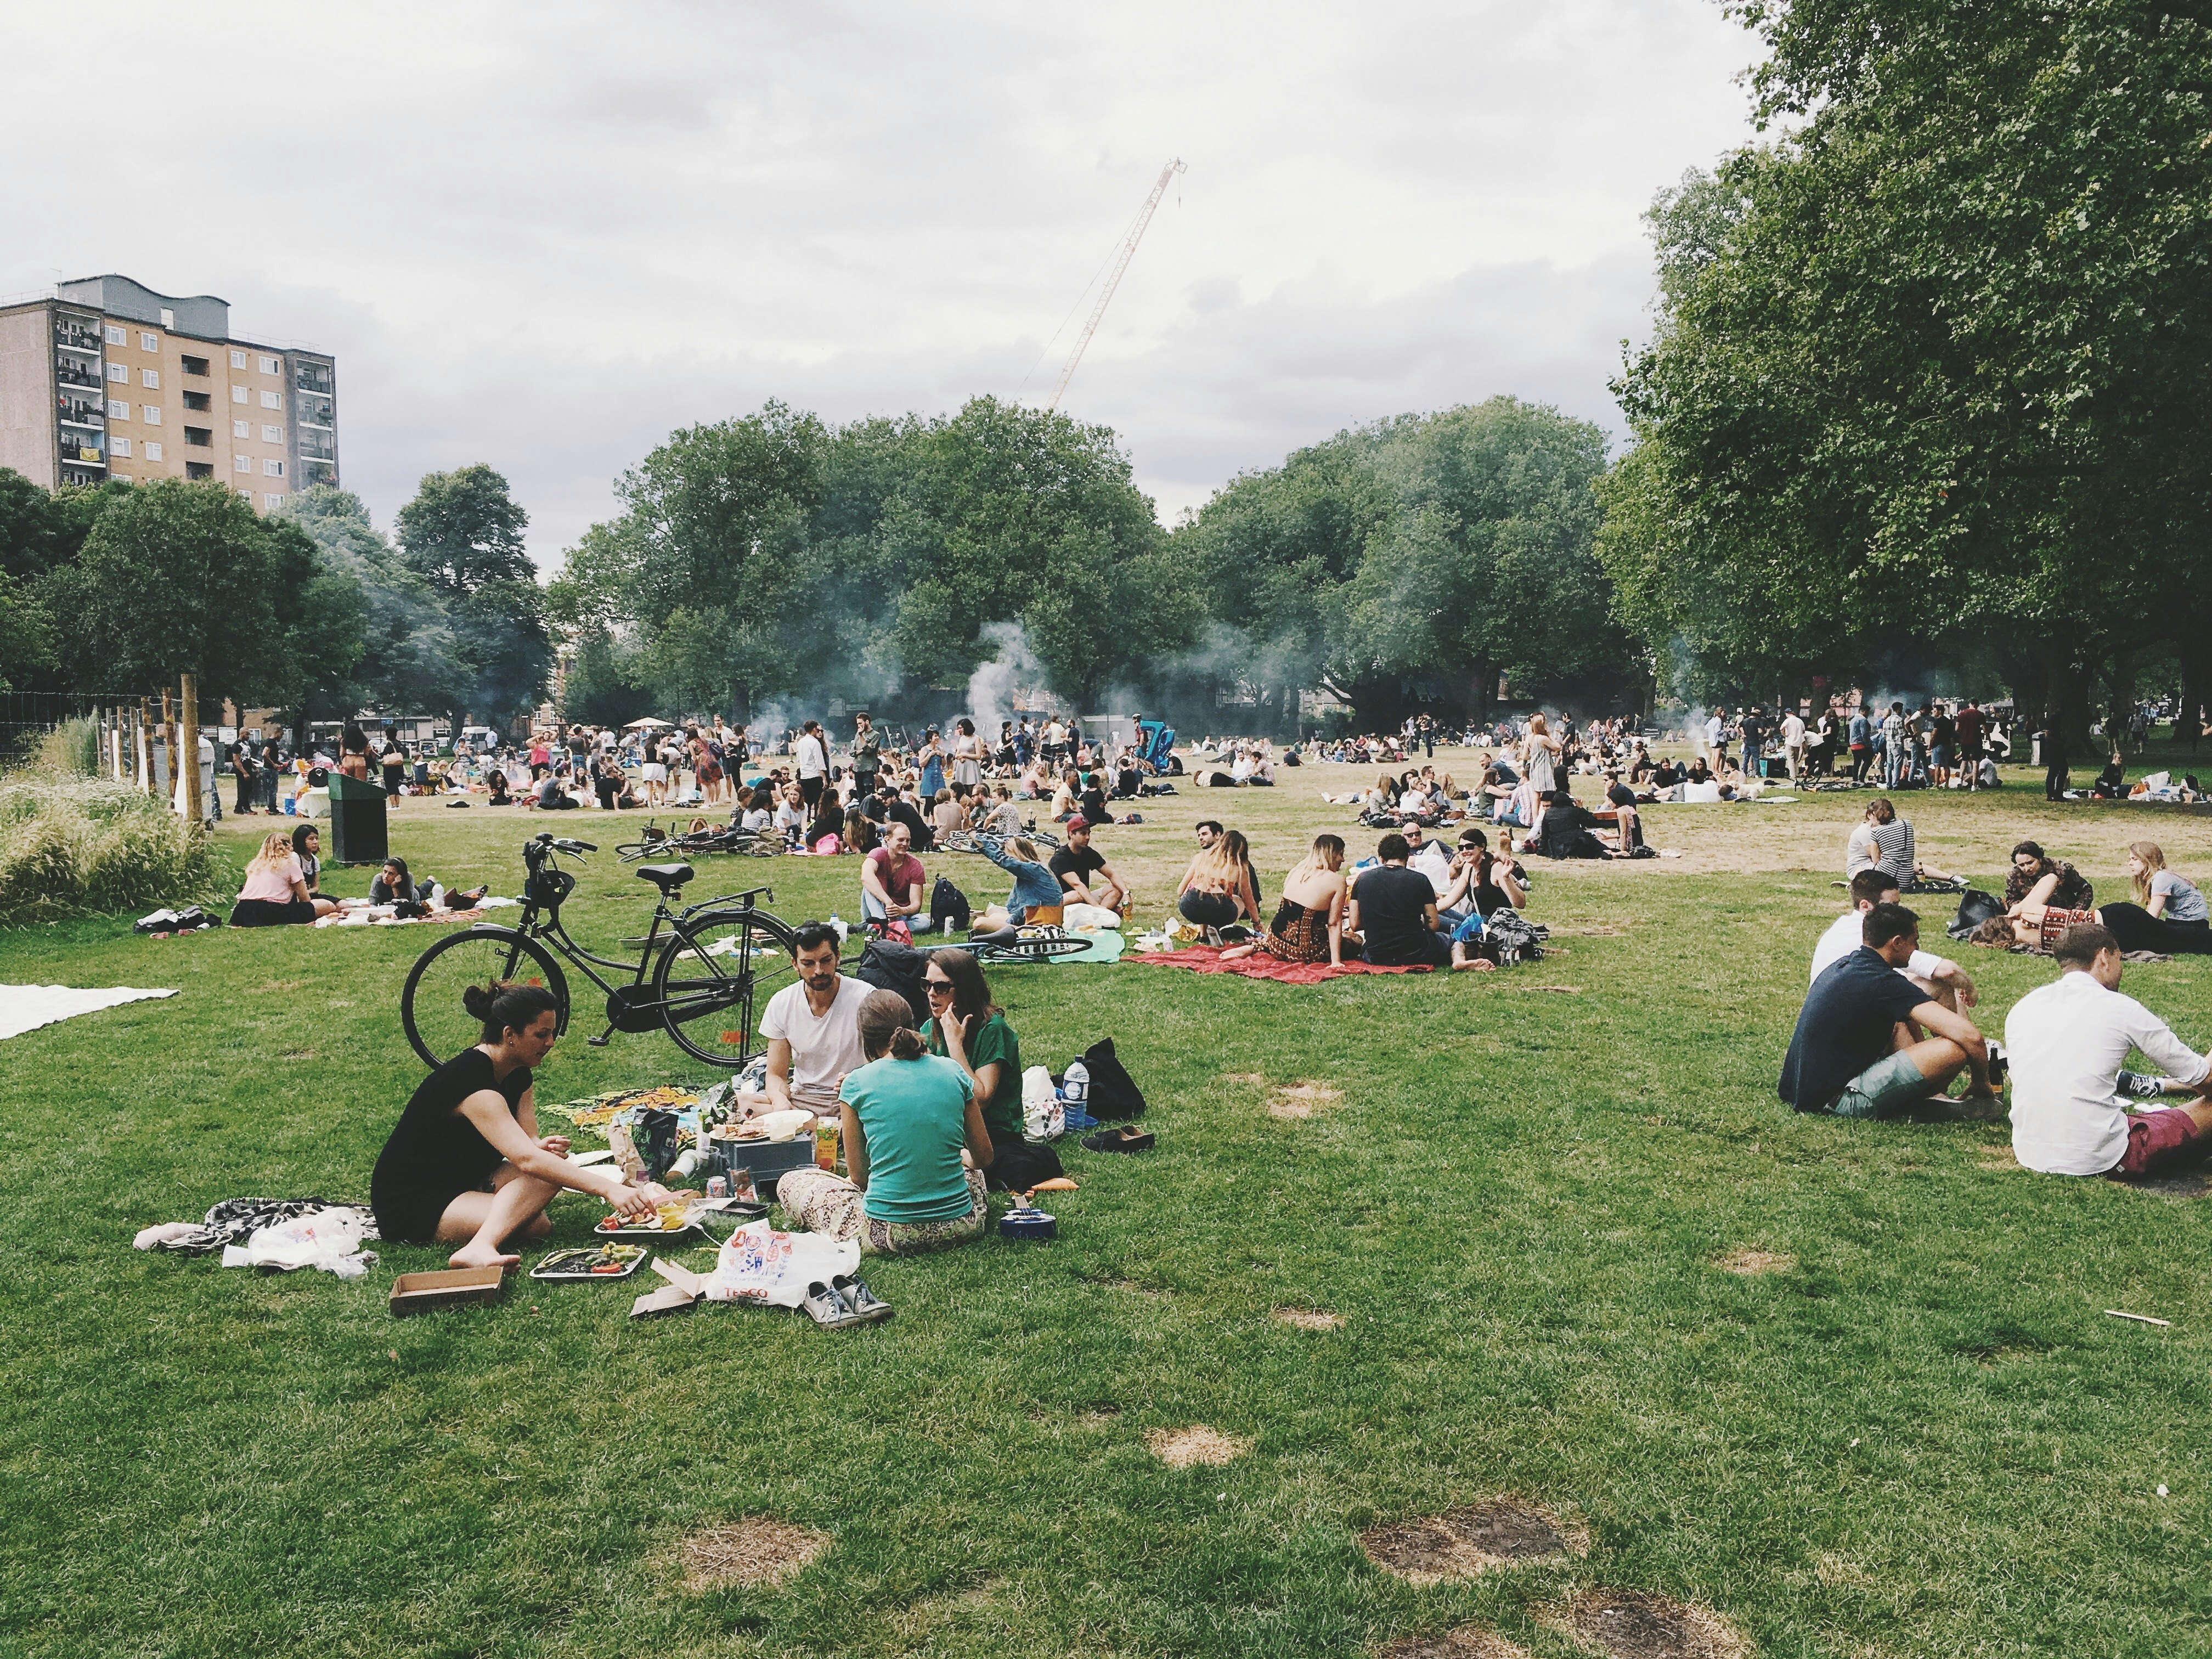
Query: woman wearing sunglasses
[[966, 1027]]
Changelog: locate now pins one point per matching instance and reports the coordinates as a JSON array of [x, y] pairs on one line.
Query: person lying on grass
[[1036, 887], [1869, 1042], [465, 1164], [275, 892], [394, 886], [1942, 979], [916, 1147], [1309, 924], [2072, 1107]]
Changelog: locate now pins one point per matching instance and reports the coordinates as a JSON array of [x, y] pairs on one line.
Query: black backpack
[[1114, 1092], [1975, 907], [949, 910], [889, 966], [1514, 937]]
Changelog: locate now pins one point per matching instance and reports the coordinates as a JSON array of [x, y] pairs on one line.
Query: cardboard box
[[452, 1287]]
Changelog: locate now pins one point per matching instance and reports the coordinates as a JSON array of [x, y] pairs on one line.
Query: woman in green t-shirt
[[908, 1116], [971, 1029]]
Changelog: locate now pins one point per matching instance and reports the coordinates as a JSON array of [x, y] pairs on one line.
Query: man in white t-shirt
[[1715, 724], [1944, 982], [2067, 1041], [811, 757], [812, 1030], [1428, 857], [1793, 743]]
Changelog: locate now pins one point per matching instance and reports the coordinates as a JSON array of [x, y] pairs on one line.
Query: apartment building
[[106, 378]]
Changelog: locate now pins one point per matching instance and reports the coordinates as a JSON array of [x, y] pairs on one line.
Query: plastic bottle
[[1075, 1083], [840, 927]]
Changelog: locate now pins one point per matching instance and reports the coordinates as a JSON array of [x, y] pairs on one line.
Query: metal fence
[[143, 740]]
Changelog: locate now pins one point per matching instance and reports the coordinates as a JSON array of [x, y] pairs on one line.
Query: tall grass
[[71, 750], [77, 847]]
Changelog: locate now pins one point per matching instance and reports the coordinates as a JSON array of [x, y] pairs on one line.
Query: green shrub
[[81, 847]]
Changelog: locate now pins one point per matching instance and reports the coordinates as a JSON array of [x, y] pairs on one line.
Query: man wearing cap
[[1082, 870]]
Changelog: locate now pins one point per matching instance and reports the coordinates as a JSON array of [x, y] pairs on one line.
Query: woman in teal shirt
[[969, 1029], [908, 1116]]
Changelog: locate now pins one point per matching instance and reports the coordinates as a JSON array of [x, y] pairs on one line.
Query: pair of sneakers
[[844, 1300]]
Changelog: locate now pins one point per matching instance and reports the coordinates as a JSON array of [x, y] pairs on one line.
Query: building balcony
[[200, 437], [196, 365], [78, 415], [313, 377], [70, 339], [198, 470], [69, 373]]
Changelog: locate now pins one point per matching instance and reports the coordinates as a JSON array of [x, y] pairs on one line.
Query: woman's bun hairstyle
[[886, 1026], [505, 1006]]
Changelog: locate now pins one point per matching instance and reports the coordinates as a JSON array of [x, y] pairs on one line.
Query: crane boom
[[1121, 264]]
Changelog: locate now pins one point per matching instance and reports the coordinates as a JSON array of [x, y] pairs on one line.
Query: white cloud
[[541, 236]]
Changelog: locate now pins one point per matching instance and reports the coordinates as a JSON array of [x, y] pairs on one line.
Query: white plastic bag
[[1088, 918], [329, 1239], [760, 1265], [1044, 1117]]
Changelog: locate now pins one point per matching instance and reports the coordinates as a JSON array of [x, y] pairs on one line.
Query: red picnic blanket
[[1206, 959]]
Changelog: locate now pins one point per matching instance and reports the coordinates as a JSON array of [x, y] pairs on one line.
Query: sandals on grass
[[1119, 1138]]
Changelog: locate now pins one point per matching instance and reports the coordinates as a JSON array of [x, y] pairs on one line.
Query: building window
[[272, 400], [268, 365], [200, 437], [118, 409], [114, 334], [198, 470], [119, 375], [242, 464], [248, 496], [238, 394], [238, 359], [272, 435], [150, 379], [151, 413], [272, 469], [120, 447], [272, 501], [149, 341], [198, 400], [241, 430], [153, 450], [195, 365]]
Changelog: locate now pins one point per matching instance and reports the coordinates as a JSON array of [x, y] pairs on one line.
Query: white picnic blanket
[[26, 1007]]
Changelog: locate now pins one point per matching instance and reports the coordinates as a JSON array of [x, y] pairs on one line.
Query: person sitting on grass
[[813, 1039], [1885, 841], [1392, 913], [1942, 980], [495, 781], [1480, 881], [275, 892], [2067, 1042], [394, 886], [916, 1147], [1218, 889], [1083, 872], [549, 795], [465, 1164], [308, 848], [2036, 878], [1309, 924], [1863, 1046], [1036, 887], [892, 878], [967, 1028]]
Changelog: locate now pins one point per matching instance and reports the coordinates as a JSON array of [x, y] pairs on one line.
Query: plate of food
[[609, 1260], [666, 1220]]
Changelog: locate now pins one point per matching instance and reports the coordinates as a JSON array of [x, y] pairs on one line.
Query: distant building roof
[[201, 315]]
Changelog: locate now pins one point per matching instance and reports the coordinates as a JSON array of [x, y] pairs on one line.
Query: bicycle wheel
[[430, 1011], [1031, 950], [713, 980]]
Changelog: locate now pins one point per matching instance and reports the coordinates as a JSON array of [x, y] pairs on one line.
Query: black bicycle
[[702, 973], [704, 837]]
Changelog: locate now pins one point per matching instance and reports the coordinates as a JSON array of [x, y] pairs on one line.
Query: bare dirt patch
[[1749, 1263], [1311, 1319], [1462, 1542], [1594, 930], [1181, 1448], [1299, 1100], [1244, 1077], [1558, 990], [757, 1550], [1468, 1642], [1627, 1624]]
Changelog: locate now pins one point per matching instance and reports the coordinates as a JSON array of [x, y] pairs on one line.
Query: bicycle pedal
[[595, 1043]]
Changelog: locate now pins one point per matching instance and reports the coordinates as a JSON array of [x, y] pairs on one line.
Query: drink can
[[717, 1187]]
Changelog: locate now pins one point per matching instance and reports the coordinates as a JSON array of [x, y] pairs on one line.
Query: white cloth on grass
[[26, 1007]]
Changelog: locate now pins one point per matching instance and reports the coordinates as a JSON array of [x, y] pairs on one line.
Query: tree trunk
[[2065, 711], [2188, 725]]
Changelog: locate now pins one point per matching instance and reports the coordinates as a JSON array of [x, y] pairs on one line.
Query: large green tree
[[410, 660], [1936, 357], [463, 534]]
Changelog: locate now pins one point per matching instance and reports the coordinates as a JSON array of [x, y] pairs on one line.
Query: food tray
[[563, 1276], [646, 1235], [451, 1287]]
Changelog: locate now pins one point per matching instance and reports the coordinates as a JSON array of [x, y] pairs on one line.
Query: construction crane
[[1121, 264]]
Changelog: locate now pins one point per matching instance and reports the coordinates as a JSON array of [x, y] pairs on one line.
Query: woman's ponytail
[[907, 1044], [886, 1026]]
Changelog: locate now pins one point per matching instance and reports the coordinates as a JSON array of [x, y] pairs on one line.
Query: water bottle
[[839, 926], [1075, 1084]]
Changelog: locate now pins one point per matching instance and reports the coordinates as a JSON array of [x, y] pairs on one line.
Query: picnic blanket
[[381, 915], [1206, 959], [26, 1007]]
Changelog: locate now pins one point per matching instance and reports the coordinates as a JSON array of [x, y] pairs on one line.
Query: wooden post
[[169, 745], [188, 739]]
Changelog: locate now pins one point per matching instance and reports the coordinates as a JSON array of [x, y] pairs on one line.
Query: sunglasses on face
[[938, 987]]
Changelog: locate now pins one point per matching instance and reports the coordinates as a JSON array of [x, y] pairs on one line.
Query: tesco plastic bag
[[328, 1239], [760, 1265], [1044, 1117]]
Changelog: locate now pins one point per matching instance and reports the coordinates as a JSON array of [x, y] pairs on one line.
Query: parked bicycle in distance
[[703, 974]]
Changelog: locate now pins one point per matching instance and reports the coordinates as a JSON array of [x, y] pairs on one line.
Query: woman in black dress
[[465, 1164]]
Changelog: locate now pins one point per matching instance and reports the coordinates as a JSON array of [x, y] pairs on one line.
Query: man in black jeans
[[1395, 910]]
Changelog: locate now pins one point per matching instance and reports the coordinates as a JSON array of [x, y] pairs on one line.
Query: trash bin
[[358, 834]]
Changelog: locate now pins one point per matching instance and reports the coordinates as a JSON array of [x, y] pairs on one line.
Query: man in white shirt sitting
[[2068, 1040], [1943, 981], [812, 1028], [1428, 857]]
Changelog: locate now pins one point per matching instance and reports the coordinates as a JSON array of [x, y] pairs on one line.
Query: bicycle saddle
[[664, 876]]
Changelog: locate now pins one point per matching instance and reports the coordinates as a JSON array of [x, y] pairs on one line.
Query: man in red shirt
[[892, 877], [1970, 743]]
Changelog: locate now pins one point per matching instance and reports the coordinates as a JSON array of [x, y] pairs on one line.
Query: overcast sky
[[543, 235]]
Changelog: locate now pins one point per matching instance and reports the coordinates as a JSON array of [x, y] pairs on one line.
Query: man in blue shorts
[[1871, 1043]]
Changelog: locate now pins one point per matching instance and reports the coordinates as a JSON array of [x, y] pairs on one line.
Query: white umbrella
[[649, 721]]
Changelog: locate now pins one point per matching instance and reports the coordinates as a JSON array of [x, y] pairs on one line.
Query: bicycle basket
[[548, 887]]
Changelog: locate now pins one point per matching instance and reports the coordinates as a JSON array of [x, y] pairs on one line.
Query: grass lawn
[[1914, 1433]]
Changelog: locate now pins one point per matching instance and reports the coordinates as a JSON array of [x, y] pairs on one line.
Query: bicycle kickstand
[[600, 1041]]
